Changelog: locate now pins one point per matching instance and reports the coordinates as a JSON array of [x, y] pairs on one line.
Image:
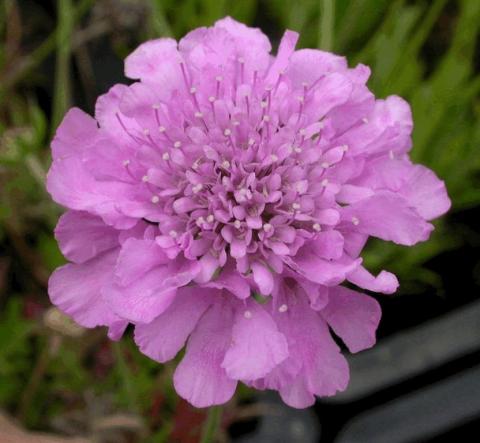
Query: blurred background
[[422, 381]]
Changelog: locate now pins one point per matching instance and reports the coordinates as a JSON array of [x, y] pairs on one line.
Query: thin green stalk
[[62, 94], [127, 377], [212, 424], [327, 21], [38, 55]]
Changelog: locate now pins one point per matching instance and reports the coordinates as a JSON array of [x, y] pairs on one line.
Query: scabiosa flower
[[222, 201]]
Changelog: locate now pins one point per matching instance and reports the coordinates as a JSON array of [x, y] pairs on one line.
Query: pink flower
[[223, 172]]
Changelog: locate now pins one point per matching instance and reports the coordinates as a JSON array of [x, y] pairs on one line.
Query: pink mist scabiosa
[[221, 200]]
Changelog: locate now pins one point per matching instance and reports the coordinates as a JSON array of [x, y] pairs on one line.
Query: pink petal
[[387, 216], [385, 282], [257, 345], [76, 290], [353, 316], [163, 338], [82, 236], [199, 378], [263, 278], [137, 257], [76, 132]]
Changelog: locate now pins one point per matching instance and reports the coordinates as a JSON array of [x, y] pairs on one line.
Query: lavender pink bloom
[[221, 202]]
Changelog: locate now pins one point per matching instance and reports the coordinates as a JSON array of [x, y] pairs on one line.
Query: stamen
[[283, 308], [316, 227], [166, 156], [155, 199], [237, 224], [126, 162], [173, 233], [177, 144], [324, 182], [247, 314], [355, 221], [210, 218], [145, 179]]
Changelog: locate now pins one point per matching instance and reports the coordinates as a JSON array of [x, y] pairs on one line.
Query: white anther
[[247, 314], [145, 178], [235, 123], [296, 206], [146, 131], [251, 142], [283, 308], [297, 149], [227, 132], [274, 158], [177, 144], [126, 162], [391, 155], [241, 60], [325, 165], [173, 233], [198, 114], [266, 118], [305, 84], [267, 227], [218, 78], [316, 227], [324, 182], [302, 131], [225, 164], [156, 106], [263, 104], [195, 165], [210, 218], [345, 148], [355, 221], [200, 221], [211, 99], [161, 129], [193, 90], [365, 120], [237, 224], [301, 98], [166, 156], [155, 199], [197, 188]]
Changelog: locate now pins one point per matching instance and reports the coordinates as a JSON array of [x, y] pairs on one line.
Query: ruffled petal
[[389, 217], [353, 316], [163, 338], [82, 236], [257, 345], [200, 378], [76, 289]]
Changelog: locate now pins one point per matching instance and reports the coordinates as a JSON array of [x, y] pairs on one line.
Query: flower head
[[222, 199]]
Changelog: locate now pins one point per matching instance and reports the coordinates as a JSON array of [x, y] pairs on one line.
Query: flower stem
[[327, 19], [211, 424]]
